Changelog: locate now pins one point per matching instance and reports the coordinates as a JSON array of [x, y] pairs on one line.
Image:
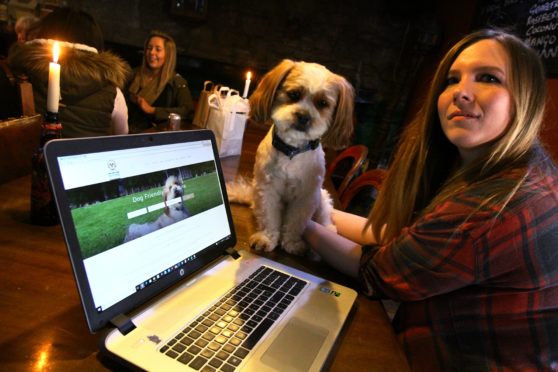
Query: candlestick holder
[[43, 208]]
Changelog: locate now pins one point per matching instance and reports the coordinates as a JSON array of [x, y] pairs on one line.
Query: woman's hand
[[144, 106]]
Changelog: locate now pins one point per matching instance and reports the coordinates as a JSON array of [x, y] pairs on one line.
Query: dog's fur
[[303, 102], [172, 213]]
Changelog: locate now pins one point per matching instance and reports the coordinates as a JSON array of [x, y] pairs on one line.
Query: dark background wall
[[379, 46], [387, 49], [369, 42]]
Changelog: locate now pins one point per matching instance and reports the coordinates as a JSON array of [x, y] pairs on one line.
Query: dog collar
[[291, 151]]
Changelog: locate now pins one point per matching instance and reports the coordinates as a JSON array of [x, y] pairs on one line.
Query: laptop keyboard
[[221, 337]]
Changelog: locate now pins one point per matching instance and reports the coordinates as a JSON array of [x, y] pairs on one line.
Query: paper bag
[[228, 113], [202, 109]]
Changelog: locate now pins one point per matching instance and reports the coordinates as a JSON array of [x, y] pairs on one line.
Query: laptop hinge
[[233, 253], [123, 323]]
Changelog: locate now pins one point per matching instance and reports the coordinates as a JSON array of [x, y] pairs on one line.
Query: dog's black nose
[[302, 118], [302, 121]]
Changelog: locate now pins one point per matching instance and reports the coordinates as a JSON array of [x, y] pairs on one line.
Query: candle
[[53, 96], [247, 85]]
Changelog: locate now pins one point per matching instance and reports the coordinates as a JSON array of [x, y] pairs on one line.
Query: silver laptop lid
[[139, 213]]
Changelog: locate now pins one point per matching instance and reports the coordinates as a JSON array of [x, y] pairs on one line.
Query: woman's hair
[[420, 175], [74, 26], [24, 24], [168, 69]]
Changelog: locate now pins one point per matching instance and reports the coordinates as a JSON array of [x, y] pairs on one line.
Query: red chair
[[347, 166], [359, 197]]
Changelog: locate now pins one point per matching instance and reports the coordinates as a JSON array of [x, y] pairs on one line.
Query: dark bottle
[[43, 207]]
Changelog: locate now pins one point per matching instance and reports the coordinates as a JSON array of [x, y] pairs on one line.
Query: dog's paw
[[296, 247], [261, 242]]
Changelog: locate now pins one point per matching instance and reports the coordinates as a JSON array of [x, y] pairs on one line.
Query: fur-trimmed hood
[[83, 69]]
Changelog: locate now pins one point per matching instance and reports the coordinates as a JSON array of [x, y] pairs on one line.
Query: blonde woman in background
[[156, 90]]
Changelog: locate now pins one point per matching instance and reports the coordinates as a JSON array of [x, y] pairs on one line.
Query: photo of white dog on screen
[[307, 106], [174, 210]]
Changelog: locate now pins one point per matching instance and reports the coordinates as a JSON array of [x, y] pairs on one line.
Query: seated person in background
[[26, 28], [156, 90], [464, 232], [92, 103]]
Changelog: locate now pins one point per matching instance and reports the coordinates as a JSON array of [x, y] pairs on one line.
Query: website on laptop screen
[[142, 213]]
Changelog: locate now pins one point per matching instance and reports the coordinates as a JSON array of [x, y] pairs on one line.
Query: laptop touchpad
[[296, 346]]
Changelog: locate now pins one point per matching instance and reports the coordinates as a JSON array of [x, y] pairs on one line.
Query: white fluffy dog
[[308, 106], [174, 210]]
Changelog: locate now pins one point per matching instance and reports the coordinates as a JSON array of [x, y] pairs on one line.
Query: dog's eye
[[294, 95], [322, 103]]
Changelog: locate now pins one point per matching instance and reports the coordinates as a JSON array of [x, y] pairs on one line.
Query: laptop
[[151, 240]]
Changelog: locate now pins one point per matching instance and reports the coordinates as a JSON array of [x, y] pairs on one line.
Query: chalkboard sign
[[536, 21]]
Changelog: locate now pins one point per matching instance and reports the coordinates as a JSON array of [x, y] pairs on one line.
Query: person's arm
[[351, 226], [144, 105], [434, 255], [341, 253], [119, 114]]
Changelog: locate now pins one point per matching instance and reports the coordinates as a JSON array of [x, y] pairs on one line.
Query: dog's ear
[[166, 190], [340, 132], [261, 100]]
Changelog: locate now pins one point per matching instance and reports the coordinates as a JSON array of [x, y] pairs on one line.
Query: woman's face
[[475, 106], [155, 53]]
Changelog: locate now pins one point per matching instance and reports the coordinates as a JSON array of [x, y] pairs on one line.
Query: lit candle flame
[[55, 52], [247, 84]]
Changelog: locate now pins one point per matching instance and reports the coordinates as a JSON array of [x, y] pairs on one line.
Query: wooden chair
[[26, 96], [360, 195], [20, 132], [19, 92], [346, 166]]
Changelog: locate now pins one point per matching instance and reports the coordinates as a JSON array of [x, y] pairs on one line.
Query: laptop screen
[[138, 212]]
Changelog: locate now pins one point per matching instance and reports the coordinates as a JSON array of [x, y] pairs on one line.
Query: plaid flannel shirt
[[478, 288]]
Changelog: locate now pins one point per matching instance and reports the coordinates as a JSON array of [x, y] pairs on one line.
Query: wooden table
[[42, 324]]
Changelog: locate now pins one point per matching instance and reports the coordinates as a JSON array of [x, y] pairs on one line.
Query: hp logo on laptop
[[330, 291]]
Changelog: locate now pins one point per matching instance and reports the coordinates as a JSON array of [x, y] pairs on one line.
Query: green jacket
[[175, 98]]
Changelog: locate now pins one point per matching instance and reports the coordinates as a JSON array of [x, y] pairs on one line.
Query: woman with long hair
[[464, 232], [156, 89]]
